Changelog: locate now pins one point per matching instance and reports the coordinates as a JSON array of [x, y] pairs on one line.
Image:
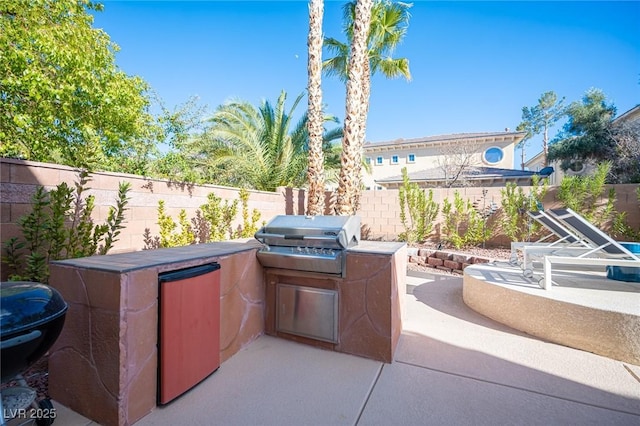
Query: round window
[[493, 155], [576, 166]]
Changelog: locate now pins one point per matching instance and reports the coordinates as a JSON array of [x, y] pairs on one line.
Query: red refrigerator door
[[189, 329]]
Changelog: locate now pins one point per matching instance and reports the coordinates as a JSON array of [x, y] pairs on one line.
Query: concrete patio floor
[[452, 367]]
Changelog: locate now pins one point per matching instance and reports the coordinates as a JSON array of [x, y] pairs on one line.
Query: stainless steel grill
[[308, 243]]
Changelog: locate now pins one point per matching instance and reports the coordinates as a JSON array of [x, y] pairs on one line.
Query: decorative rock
[[417, 260]]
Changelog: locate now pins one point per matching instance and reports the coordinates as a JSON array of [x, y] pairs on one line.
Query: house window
[[379, 161], [576, 166], [493, 155], [394, 159], [368, 160], [411, 158]]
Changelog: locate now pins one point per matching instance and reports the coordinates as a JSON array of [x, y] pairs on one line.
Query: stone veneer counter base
[[104, 364], [370, 299], [585, 311]]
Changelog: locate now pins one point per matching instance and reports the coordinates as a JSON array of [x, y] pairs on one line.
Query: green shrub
[[59, 226], [621, 229], [218, 217], [582, 194], [417, 211], [249, 223], [213, 221], [463, 225], [515, 222]]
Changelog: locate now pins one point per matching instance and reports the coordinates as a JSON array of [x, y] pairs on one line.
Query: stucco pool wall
[[586, 312]]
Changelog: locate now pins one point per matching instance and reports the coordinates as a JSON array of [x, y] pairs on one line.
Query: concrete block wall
[[19, 180], [379, 210]]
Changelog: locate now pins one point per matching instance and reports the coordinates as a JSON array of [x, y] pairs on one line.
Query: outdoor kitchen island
[[105, 363], [370, 295], [327, 288]]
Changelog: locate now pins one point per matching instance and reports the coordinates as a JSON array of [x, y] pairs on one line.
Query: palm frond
[[393, 68]]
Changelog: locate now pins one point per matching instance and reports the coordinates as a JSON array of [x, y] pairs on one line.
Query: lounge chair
[[603, 250], [564, 236]]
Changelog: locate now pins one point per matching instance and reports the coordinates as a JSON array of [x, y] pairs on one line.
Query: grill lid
[[25, 305], [311, 231]]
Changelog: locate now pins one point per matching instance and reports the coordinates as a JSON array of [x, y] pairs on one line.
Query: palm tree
[[388, 26], [347, 199], [259, 147], [315, 173]]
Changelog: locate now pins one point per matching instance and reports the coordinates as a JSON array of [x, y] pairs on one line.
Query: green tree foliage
[[62, 98], [179, 127], [587, 133], [373, 29], [516, 223], [256, 147], [417, 211], [59, 226], [389, 24], [540, 118]]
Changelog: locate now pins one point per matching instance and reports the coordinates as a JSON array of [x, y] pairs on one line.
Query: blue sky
[[474, 64]]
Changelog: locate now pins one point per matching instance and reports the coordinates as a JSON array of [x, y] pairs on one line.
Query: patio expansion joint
[[366, 400], [463, 376], [630, 371]]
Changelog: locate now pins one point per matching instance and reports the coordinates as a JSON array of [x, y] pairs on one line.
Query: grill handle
[[320, 238], [267, 235], [295, 237]]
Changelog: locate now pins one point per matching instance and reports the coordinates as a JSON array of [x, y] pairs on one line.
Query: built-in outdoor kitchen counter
[[370, 295], [104, 365]]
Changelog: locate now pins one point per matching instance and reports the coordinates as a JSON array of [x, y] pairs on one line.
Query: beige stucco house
[[458, 159]]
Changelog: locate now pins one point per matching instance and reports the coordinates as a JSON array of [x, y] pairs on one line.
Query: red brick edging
[[444, 260]]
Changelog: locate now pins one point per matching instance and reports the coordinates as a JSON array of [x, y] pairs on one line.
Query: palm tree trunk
[[315, 173], [353, 138]]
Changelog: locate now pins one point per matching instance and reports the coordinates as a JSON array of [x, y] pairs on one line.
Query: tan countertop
[[377, 247], [125, 262], [130, 261]]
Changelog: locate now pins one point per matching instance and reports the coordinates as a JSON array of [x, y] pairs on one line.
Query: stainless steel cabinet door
[[307, 311]]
